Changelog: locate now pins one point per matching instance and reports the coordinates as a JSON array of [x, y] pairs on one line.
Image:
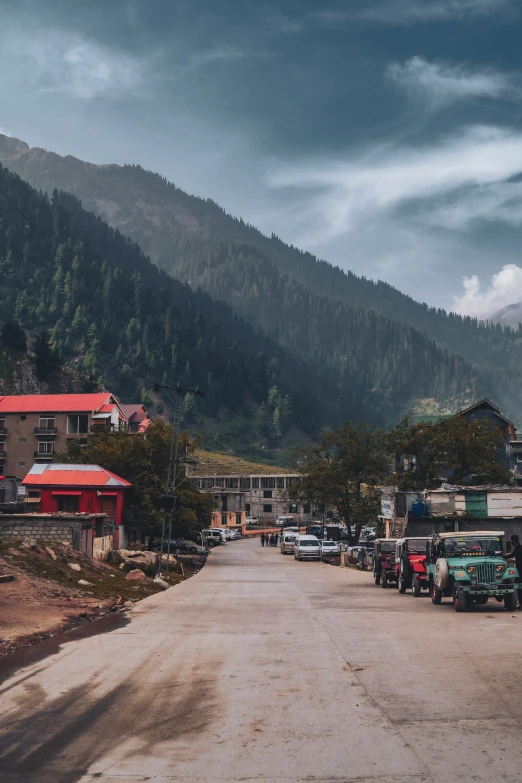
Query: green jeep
[[470, 567]]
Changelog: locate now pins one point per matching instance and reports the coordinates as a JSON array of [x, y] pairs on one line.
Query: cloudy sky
[[382, 135]]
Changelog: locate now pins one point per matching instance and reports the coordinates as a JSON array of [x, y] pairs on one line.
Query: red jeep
[[410, 565], [384, 561]]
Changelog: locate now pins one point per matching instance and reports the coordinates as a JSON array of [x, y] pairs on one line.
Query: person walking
[[276, 539], [262, 539], [516, 555]]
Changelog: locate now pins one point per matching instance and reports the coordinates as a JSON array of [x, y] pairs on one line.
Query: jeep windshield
[[388, 547], [471, 545], [416, 546]]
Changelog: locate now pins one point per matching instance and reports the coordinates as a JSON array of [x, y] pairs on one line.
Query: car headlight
[[471, 569], [501, 568]]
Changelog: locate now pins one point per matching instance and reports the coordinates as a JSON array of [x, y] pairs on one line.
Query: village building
[[34, 427], [63, 489]]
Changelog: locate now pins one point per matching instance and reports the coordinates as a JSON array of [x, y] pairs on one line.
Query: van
[[307, 548], [285, 520], [287, 542]]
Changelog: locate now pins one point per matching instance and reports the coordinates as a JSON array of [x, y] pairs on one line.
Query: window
[[244, 483], [2, 424], [306, 509], [223, 520], [268, 482], [280, 483], [247, 508], [267, 509], [2, 446], [46, 447], [255, 483], [238, 519], [34, 493], [22, 440], [267, 493], [67, 503], [519, 457], [21, 464], [47, 423], [231, 483], [76, 424]]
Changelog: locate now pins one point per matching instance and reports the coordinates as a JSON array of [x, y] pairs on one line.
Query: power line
[[10, 200]]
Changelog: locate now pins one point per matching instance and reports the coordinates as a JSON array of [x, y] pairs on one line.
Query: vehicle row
[[306, 547], [469, 567]]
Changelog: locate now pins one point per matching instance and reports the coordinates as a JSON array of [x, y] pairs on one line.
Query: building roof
[[130, 410], [459, 488], [485, 401], [63, 475], [54, 403]]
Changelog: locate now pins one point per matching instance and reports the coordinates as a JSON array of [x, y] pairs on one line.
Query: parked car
[[235, 535], [252, 520], [180, 546], [287, 542], [307, 547], [471, 568], [285, 520], [410, 565], [215, 534], [384, 561], [330, 548], [225, 530]]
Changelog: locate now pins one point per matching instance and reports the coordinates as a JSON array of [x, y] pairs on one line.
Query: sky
[[382, 135]]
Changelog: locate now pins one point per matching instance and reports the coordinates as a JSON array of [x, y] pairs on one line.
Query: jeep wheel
[[377, 578], [401, 584], [193, 550], [510, 601], [384, 581], [436, 594], [459, 600], [416, 588]]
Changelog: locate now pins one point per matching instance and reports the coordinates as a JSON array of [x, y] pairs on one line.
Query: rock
[[161, 582], [74, 566], [51, 552], [114, 556], [6, 578], [136, 575], [30, 543], [84, 582]]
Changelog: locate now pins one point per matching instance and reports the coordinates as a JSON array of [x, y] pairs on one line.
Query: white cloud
[[57, 61], [4, 132], [222, 53], [404, 12], [505, 288], [440, 84], [340, 195]]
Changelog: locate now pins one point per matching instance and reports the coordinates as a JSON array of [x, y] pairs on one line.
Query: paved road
[[264, 669]]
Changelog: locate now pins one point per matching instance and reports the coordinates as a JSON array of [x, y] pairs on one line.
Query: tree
[[341, 471], [47, 359], [13, 337], [454, 450], [144, 462]]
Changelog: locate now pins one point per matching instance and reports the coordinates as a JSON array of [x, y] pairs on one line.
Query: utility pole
[[169, 500]]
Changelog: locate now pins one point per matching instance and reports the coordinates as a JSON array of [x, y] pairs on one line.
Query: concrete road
[[264, 669]]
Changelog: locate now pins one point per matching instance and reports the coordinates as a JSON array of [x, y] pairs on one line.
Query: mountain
[[380, 347], [511, 315]]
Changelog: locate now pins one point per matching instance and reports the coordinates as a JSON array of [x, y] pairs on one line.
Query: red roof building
[[79, 489]]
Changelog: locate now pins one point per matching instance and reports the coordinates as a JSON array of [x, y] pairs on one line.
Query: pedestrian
[[516, 555], [361, 556], [262, 539], [276, 539], [272, 539]]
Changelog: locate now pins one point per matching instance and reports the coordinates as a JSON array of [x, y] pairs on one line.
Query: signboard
[[387, 507]]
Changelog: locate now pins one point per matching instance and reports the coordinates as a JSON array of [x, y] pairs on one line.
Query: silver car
[[330, 548], [287, 543]]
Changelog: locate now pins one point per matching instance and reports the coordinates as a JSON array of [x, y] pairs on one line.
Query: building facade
[[34, 427], [55, 489], [264, 497]]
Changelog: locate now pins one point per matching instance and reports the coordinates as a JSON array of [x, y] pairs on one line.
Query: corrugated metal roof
[[53, 403], [130, 410], [63, 475]]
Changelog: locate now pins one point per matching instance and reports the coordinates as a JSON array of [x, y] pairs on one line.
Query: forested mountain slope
[[368, 334]]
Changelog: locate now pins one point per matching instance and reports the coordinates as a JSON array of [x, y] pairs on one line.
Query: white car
[[287, 543], [234, 535], [330, 548], [307, 548], [251, 520]]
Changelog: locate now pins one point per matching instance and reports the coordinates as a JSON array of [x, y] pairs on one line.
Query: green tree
[[144, 462], [341, 471], [13, 337], [47, 360], [454, 450]]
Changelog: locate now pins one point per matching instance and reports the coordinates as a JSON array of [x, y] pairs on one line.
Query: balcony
[[47, 457], [3, 454], [46, 431], [3, 430]]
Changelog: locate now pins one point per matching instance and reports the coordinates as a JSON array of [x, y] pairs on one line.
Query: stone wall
[[41, 528]]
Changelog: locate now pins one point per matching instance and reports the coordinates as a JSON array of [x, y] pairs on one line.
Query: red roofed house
[[80, 489], [33, 427], [137, 417]]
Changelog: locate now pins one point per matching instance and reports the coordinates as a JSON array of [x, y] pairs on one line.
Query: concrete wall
[[41, 529]]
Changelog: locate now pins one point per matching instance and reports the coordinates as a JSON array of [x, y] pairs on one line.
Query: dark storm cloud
[[384, 136]]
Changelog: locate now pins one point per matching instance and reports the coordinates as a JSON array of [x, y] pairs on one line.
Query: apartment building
[[265, 497], [34, 427]]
